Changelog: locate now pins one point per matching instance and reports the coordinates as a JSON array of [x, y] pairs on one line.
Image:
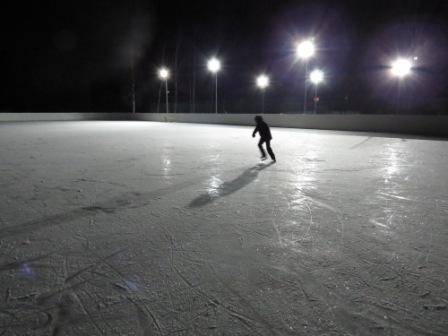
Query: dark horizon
[[81, 56]]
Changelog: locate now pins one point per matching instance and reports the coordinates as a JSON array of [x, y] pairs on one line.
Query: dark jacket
[[263, 129]]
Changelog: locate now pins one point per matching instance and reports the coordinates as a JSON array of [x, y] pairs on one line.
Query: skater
[[265, 136]]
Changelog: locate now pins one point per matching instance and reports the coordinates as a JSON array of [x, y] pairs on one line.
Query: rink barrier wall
[[72, 116], [432, 125]]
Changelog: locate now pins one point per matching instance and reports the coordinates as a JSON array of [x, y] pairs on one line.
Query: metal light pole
[[401, 68], [316, 99], [316, 77], [262, 101], [304, 51], [164, 74], [305, 94], [216, 92], [166, 96], [262, 83], [133, 86], [214, 65]]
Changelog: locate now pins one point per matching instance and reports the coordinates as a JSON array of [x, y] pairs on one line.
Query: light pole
[[316, 77], [214, 65], [400, 69], [164, 74], [262, 83], [304, 51], [133, 85]]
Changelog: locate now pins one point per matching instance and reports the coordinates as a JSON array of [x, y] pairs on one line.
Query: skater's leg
[[260, 145], [268, 147]]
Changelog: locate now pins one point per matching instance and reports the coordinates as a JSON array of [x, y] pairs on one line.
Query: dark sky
[[79, 55]]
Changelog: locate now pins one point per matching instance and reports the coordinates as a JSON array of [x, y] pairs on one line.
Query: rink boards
[[432, 125]]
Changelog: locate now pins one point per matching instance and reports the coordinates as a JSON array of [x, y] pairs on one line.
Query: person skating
[[265, 136]]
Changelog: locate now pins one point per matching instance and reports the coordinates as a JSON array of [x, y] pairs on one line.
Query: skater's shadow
[[229, 187]]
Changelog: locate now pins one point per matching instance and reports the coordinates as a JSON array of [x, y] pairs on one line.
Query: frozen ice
[[143, 228]]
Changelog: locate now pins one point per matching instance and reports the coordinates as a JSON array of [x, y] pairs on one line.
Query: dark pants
[[268, 148]]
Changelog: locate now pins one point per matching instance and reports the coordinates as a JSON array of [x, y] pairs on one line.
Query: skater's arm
[[255, 132]]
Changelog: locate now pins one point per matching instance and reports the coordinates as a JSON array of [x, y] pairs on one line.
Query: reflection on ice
[[128, 285], [375, 222], [304, 179], [166, 167], [390, 189], [166, 161], [213, 186], [392, 167], [27, 271], [297, 234], [131, 286]]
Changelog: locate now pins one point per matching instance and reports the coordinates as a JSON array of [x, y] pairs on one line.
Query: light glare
[[305, 49], [164, 73], [262, 81], [401, 67], [214, 65], [316, 76]]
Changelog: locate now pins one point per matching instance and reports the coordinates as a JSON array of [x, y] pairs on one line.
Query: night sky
[[83, 55]]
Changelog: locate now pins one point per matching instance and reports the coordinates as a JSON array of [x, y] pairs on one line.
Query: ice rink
[[140, 228]]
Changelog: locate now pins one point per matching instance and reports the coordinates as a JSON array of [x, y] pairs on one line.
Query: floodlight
[[305, 49], [316, 76], [214, 65], [164, 73], [262, 81], [401, 67]]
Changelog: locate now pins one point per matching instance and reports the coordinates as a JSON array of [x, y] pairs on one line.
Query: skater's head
[[258, 119]]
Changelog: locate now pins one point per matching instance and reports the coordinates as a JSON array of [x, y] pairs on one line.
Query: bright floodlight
[[401, 67], [164, 73], [262, 81], [316, 76], [214, 65], [305, 49]]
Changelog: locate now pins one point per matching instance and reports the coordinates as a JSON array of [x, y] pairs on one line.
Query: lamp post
[[304, 51], [164, 74], [262, 83], [316, 77], [400, 69], [214, 66]]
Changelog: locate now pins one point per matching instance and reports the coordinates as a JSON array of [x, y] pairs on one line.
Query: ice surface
[[140, 228]]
